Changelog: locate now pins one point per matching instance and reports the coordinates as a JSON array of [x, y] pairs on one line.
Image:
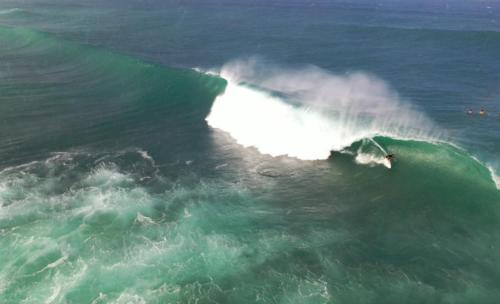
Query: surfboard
[[387, 163]]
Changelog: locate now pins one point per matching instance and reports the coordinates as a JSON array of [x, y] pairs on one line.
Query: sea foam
[[308, 112]]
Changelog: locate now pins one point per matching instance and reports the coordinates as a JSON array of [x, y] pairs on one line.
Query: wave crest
[[308, 112], [9, 11]]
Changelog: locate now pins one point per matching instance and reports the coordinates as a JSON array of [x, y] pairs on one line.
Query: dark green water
[[116, 188]]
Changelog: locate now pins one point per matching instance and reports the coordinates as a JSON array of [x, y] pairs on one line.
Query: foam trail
[[369, 159], [307, 113], [494, 177], [379, 146], [9, 11]]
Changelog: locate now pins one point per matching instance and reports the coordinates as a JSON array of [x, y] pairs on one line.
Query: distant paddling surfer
[[482, 112]]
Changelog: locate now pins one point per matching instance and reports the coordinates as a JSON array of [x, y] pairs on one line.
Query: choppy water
[[165, 152]]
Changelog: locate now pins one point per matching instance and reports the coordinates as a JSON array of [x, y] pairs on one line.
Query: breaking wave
[[309, 112]]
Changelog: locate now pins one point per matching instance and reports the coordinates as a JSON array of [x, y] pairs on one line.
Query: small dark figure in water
[[390, 157], [469, 112], [482, 112]]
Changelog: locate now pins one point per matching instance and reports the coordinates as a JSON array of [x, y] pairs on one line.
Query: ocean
[[225, 151]]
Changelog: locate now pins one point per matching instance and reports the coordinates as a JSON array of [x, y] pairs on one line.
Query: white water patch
[[54, 264], [56, 290], [143, 220], [309, 112], [61, 282], [19, 167], [210, 72], [9, 11], [128, 298], [256, 119], [372, 160], [493, 174], [145, 155], [106, 176], [494, 177]]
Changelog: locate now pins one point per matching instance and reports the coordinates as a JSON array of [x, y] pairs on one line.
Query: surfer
[[390, 157], [482, 112], [469, 112]]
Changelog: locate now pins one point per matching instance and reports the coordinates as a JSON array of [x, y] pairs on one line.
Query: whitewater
[[316, 112], [308, 113]]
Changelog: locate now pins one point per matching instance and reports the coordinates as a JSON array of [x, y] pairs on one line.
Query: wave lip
[[494, 177], [309, 112]]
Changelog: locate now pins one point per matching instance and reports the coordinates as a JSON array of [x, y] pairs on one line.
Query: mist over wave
[[308, 112]]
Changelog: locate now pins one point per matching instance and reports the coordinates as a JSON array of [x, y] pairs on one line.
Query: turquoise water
[[225, 152]]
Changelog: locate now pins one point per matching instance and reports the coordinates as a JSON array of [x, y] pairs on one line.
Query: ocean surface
[[224, 151]]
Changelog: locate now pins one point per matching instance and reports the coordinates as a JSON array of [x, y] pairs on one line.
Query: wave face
[[89, 96], [308, 112]]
